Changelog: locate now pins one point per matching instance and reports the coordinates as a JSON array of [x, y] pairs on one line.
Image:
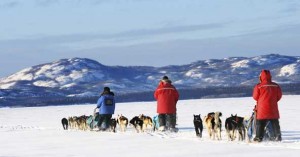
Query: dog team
[[140, 123], [234, 125], [213, 124], [266, 94]]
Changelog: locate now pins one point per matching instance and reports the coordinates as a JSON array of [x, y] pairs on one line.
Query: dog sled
[[92, 121], [251, 129], [167, 128], [155, 123]]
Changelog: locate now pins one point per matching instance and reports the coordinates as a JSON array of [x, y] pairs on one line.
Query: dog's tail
[[217, 118]]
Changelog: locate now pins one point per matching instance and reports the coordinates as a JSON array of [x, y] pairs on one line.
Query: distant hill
[[82, 79]]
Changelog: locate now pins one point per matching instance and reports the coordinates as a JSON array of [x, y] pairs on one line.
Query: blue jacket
[[106, 104]]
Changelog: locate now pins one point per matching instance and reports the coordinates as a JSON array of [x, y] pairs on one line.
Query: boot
[[162, 119], [277, 131], [260, 130], [257, 139]]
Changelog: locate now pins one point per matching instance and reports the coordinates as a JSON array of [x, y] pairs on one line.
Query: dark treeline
[[195, 93]]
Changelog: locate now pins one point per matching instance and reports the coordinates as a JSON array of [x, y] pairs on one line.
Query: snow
[[151, 78], [57, 68], [288, 70], [76, 75], [114, 85], [55, 75], [68, 85], [62, 79], [194, 73], [178, 82], [44, 70], [85, 94], [7, 85], [37, 131], [241, 64], [22, 75], [209, 80], [45, 83], [97, 75]]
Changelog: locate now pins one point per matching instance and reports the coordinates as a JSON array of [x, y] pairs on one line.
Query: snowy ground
[[37, 132]]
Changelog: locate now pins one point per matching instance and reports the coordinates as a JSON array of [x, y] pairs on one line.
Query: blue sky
[[144, 32]]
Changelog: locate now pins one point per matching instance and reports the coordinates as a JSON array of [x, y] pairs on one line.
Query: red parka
[[267, 94], [167, 97]]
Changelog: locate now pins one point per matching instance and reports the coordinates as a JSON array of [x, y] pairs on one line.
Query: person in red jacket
[[167, 97], [267, 94]]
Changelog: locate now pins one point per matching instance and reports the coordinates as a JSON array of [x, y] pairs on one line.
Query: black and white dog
[[213, 124], [235, 123], [113, 124], [198, 125], [65, 123], [137, 123]]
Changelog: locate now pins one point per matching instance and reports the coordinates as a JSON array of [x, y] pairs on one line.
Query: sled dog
[[81, 122], [198, 125], [113, 124], [122, 121], [235, 124], [147, 121], [65, 123], [137, 123], [72, 122], [213, 124]]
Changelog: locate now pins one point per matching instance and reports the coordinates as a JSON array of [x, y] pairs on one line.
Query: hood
[[265, 76]]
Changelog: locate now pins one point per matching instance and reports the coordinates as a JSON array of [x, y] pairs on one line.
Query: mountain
[[81, 77]]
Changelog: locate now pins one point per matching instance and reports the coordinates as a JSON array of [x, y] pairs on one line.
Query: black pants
[[104, 119], [168, 120], [260, 128]]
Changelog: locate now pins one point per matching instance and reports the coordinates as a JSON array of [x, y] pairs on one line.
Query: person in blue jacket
[[106, 105]]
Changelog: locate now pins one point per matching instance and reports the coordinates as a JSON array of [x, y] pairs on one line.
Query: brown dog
[[213, 124], [122, 121], [147, 121]]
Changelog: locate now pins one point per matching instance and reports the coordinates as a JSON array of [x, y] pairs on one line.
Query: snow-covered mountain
[[85, 77]]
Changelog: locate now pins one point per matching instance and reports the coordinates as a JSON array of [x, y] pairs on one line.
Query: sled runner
[[251, 129]]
